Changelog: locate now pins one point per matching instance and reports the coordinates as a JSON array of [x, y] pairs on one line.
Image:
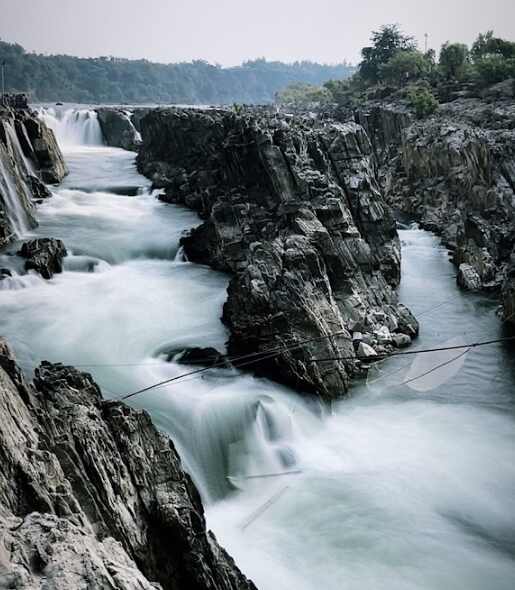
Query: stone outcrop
[[29, 157], [293, 211], [39, 143], [455, 174], [44, 255], [93, 496], [118, 129]]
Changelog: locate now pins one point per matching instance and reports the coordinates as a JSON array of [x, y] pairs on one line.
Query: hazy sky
[[230, 31]]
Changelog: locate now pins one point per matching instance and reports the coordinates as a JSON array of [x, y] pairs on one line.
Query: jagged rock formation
[[118, 129], [44, 255], [29, 156], [455, 174], [293, 210], [93, 496]]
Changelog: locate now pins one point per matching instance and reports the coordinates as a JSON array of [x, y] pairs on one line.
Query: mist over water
[[395, 488]]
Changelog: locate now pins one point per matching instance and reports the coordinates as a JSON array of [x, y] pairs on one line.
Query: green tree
[[454, 58], [300, 94], [494, 68], [404, 67], [386, 43], [486, 45]]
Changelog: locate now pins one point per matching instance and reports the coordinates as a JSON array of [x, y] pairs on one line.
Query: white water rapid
[[395, 489]]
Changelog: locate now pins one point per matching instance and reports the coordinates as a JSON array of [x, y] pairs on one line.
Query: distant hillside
[[114, 80]]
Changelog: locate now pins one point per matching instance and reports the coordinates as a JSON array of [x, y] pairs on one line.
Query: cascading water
[[394, 489], [74, 127], [14, 170]]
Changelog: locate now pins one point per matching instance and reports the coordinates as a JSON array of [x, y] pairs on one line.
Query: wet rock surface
[[92, 495], [118, 129], [44, 255], [294, 212], [455, 173], [29, 157], [42, 146]]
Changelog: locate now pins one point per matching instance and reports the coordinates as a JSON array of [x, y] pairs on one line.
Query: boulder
[[44, 255], [401, 340], [468, 278], [204, 357], [118, 129], [365, 351]]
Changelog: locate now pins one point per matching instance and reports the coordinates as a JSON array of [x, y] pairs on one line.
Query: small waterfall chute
[[12, 192]]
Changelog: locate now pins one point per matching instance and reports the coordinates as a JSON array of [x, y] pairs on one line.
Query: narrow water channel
[[404, 486]]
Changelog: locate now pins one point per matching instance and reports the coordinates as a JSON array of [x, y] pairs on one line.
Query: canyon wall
[[455, 173], [293, 210]]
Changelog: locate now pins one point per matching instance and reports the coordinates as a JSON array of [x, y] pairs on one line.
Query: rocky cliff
[[93, 496], [455, 173], [293, 210], [29, 157]]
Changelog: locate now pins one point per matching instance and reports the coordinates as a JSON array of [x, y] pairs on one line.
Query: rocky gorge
[[294, 211], [454, 173], [298, 213]]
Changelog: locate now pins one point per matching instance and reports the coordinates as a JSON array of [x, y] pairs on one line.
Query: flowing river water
[[404, 486]]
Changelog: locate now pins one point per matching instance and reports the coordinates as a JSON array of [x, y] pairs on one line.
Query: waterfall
[[137, 134], [74, 127], [27, 167], [15, 210]]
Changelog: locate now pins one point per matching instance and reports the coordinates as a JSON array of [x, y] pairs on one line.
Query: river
[[404, 486]]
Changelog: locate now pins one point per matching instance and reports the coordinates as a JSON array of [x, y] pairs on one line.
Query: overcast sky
[[230, 31]]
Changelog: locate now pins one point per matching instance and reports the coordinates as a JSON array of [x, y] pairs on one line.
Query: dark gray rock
[[118, 129], [294, 212], [455, 173], [44, 255], [508, 291], [45, 150], [92, 495]]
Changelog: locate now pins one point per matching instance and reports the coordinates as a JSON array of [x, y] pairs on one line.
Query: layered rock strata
[[93, 496], [29, 157], [293, 210], [455, 173]]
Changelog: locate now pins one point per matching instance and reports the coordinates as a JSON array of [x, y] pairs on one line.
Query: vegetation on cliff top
[[393, 66], [113, 80]]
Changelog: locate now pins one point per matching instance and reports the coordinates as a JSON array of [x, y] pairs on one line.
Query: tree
[[300, 94], [495, 68], [404, 67], [486, 45], [386, 42], [454, 58]]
